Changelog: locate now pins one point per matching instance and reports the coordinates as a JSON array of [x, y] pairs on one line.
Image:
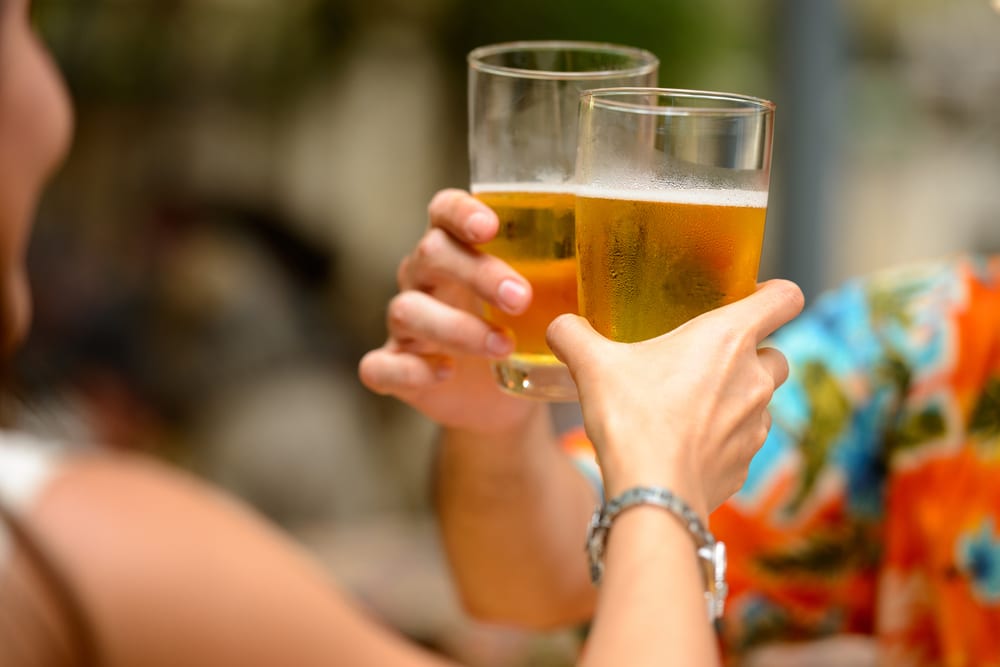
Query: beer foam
[[680, 195], [562, 188]]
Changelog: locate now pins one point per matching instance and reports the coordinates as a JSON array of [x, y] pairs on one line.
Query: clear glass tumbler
[[523, 111]]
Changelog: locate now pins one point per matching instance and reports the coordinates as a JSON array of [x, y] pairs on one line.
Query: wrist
[[711, 553], [665, 471], [516, 427]]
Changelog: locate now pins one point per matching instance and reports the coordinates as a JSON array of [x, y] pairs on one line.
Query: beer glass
[[523, 111], [672, 192]]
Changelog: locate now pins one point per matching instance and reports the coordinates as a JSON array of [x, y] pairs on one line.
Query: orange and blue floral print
[[978, 554], [874, 505]]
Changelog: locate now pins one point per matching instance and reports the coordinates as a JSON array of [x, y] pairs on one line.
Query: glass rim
[[742, 104], [645, 61]]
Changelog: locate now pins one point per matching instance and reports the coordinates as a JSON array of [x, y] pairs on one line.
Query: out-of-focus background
[[219, 249]]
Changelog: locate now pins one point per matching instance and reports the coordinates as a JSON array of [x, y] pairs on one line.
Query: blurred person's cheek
[[35, 128], [35, 117], [48, 115]]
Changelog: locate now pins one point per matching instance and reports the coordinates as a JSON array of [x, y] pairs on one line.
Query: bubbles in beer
[[538, 240], [651, 261]]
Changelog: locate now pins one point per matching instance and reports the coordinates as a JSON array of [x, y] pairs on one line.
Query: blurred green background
[[219, 249]]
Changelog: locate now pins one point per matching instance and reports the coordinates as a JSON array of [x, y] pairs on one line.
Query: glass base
[[538, 377]]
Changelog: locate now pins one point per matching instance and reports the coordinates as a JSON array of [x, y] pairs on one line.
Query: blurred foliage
[[123, 51], [687, 35]]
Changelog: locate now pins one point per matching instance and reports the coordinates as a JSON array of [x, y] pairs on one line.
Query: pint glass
[[671, 200], [523, 112]]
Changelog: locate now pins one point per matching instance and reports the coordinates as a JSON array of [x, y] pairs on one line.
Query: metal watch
[[711, 552]]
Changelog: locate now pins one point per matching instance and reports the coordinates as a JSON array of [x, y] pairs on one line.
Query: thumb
[[573, 340]]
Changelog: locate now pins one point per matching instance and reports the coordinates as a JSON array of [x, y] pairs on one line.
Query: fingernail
[[478, 225], [498, 345], [512, 295]]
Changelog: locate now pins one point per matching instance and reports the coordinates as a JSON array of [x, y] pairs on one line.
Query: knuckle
[[403, 271], [732, 340], [793, 294], [368, 373], [441, 202], [785, 297], [782, 371], [762, 388], [741, 479], [560, 327], [400, 310], [758, 395], [761, 437], [758, 436], [430, 245], [741, 476]]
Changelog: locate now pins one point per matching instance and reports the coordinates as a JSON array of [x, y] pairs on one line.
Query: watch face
[[713, 562]]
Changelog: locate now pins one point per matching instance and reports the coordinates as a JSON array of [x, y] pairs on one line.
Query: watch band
[[711, 552]]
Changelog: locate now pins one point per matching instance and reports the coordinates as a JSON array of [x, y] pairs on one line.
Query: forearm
[[513, 510], [650, 597]]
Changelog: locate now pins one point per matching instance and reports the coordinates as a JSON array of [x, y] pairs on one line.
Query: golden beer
[[537, 238], [649, 265]]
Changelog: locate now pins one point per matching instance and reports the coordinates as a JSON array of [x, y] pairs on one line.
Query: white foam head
[[559, 188], [681, 195]]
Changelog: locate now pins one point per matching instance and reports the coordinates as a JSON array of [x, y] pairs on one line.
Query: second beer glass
[[672, 195], [523, 111]]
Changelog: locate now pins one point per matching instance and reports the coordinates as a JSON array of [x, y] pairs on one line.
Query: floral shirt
[[874, 505]]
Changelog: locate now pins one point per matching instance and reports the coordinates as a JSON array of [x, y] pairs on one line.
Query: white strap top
[[27, 464]]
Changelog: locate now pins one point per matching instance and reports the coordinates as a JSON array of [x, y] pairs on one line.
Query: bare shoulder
[[144, 544], [172, 572], [137, 514], [131, 496]]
